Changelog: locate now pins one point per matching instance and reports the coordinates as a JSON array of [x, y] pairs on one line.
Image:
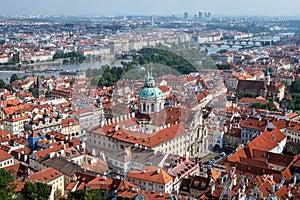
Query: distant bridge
[[242, 43]]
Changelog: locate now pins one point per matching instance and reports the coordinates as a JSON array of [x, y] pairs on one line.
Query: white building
[[6, 159]]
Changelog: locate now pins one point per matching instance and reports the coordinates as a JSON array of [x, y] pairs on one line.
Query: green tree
[[85, 195], [101, 82], [36, 191], [295, 87], [270, 105], [30, 191], [9, 87], [72, 82], [2, 84], [223, 66], [7, 188], [43, 191], [258, 105], [31, 90], [13, 78]]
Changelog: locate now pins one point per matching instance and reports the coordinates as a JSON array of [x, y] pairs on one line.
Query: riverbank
[[50, 68], [22, 67], [58, 63]]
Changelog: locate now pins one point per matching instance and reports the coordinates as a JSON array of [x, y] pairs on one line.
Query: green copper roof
[[151, 92]]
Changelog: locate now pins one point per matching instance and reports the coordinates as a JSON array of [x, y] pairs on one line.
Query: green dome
[[151, 92]]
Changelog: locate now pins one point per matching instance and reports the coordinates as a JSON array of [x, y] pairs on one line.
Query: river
[[5, 75]]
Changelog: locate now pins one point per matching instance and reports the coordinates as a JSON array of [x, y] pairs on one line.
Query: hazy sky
[[150, 7]]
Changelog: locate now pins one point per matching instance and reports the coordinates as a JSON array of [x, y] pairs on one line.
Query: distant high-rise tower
[[200, 15], [152, 21], [186, 15], [205, 15], [173, 17], [209, 15]]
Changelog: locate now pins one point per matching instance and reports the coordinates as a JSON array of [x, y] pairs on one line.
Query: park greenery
[[69, 57], [36, 191], [84, 195], [269, 106], [295, 87], [224, 66], [177, 59], [13, 77], [293, 102], [7, 187], [246, 94]]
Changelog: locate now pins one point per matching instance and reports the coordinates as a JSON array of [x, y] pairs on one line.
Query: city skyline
[[155, 7]]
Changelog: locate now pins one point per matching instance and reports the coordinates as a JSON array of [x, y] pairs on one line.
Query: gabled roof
[[4, 155], [45, 176], [254, 123], [151, 174], [62, 165], [267, 140]]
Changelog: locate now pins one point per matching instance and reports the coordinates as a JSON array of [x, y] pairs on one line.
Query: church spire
[[267, 74], [149, 80]]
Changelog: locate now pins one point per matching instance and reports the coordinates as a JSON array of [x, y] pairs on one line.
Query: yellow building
[[51, 177]]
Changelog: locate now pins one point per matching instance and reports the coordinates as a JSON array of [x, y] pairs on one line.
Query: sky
[[150, 7]]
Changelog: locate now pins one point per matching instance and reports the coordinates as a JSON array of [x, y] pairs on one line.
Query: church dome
[[153, 92]]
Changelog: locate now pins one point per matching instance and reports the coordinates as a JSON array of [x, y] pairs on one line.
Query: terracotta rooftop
[[254, 123], [45, 176], [151, 174], [267, 140], [4, 155]]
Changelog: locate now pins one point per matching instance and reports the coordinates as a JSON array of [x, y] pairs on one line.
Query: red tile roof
[[254, 123], [45, 176], [4, 155], [151, 174], [267, 140]]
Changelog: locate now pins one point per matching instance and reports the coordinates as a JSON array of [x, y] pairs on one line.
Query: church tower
[[37, 88], [267, 75], [151, 97]]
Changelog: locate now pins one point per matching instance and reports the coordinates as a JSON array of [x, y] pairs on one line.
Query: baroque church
[[152, 125]]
